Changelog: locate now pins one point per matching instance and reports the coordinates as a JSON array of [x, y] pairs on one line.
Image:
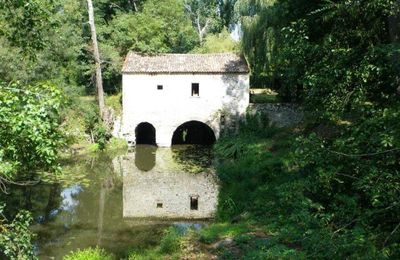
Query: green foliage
[[115, 102], [89, 254], [168, 247], [233, 145], [160, 27], [56, 36], [227, 13], [101, 135], [217, 43], [85, 117], [30, 139], [171, 241], [204, 16], [263, 98], [340, 61], [29, 132], [117, 144], [15, 236], [319, 198], [218, 231], [24, 23]]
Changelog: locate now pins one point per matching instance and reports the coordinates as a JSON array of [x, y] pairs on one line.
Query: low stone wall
[[280, 114]]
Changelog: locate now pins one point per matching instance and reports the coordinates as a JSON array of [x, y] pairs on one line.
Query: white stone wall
[[169, 185], [169, 108]]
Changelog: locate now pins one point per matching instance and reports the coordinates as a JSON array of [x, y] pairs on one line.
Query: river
[[120, 203]]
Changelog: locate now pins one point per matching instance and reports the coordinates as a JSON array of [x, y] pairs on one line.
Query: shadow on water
[[94, 204]]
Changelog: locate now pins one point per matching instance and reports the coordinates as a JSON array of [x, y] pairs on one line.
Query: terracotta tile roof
[[185, 63]]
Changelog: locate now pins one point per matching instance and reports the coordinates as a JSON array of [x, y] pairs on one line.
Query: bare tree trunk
[[99, 79], [133, 2], [201, 31]]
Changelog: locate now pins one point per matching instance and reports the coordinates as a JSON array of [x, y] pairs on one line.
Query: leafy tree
[[23, 23], [217, 43], [160, 27], [30, 139], [227, 12], [30, 134], [204, 16]]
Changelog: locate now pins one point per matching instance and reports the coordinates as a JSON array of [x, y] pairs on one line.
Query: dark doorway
[[145, 134], [193, 132]]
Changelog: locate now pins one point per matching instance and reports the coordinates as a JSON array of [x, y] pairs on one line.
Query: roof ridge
[[225, 62]]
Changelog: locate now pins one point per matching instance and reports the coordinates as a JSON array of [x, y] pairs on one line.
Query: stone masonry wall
[[280, 114]]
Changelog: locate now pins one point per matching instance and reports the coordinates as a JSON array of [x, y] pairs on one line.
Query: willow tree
[[259, 41]]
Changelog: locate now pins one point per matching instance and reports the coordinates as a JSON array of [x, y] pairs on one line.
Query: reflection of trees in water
[[193, 158]]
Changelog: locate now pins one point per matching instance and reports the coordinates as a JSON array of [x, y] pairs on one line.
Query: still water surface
[[120, 203]]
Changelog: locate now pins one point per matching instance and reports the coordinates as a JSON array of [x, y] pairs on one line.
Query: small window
[[160, 87], [195, 90], [194, 202], [159, 205]]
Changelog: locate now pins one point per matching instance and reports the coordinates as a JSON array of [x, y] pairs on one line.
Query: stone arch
[[145, 133], [193, 132]]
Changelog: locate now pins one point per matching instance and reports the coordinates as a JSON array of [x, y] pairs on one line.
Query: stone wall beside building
[[279, 114]]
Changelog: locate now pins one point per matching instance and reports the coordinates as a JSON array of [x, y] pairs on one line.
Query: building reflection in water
[[155, 185]]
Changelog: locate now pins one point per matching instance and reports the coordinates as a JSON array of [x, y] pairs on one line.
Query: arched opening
[[145, 134], [193, 132]]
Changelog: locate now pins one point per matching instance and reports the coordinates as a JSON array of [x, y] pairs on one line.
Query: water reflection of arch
[[145, 157], [193, 132], [145, 133]]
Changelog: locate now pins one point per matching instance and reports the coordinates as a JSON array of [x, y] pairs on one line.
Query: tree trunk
[[99, 80], [394, 24]]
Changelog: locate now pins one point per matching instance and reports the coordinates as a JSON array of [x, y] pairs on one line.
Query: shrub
[[171, 241], [89, 254], [15, 237]]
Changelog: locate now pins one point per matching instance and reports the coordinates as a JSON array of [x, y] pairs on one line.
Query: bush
[[89, 254], [15, 237], [169, 246], [171, 241]]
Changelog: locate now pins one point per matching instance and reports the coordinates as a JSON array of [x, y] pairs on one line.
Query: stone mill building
[[181, 98]]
